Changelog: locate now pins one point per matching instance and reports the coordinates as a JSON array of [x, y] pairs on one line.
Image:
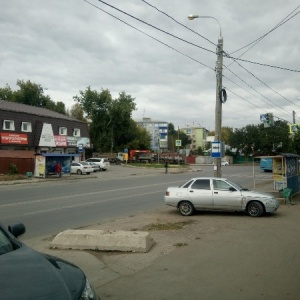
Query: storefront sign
[[14, 138], [60, 140]]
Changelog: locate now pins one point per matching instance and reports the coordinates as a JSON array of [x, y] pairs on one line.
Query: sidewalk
[[212, 256]]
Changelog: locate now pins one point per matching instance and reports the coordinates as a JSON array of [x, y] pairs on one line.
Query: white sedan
[[81, 168], [208, 193]]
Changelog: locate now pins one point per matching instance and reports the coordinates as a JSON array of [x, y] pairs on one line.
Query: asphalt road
[[46, 208]]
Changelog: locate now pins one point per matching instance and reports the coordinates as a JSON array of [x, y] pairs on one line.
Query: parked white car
[[209, 193], [95, 166], [225, 163], [102, 162], [81, 168]]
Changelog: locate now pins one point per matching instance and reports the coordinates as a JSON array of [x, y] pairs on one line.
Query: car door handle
[[216, 192], [191, 191]]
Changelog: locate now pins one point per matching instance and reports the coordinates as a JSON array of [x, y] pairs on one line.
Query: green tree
[[6, 93], [258, 140], [30, 93], [77, 112], [111, 127]]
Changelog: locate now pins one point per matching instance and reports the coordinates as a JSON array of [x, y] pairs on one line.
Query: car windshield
[[84, 163], [235, 185], [5, 244]]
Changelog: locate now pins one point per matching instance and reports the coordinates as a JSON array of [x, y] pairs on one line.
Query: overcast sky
[[68, 45]]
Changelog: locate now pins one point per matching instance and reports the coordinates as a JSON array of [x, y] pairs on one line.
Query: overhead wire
[[227, 55], [284, 20], [154, 37]]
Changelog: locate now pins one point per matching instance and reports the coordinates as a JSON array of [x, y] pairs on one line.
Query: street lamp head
[[192, 17]]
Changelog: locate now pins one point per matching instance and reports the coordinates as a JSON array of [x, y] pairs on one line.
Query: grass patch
[[6, 177], [180, 244], [166, 226]]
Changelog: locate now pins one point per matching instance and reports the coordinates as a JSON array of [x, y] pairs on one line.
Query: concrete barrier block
[[129, 241]]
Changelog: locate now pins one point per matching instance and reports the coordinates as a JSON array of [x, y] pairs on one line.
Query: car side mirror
[[232, 189], [17, 229]]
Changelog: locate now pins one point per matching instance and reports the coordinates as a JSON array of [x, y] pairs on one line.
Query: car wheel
[[79, 172], [255, 209], [186, 208], [103, 169]]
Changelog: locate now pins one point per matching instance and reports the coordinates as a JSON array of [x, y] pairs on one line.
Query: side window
[[8, 125], [221, 185], [201, 184], [76, 132], [62, 131], [26, 127]]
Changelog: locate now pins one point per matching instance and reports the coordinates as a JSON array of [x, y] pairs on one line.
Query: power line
[[190, 43], [161, 42], [284, 20], [157, 40]]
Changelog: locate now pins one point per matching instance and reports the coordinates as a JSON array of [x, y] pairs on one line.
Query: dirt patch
[[169, 230]]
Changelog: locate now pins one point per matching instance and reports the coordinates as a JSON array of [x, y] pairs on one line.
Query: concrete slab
[[101, 240]]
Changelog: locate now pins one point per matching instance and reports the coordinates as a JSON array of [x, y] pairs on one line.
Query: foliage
[[111, 127], [174, 135], [30, 93], [13, 169], [258, 140], [77, 112]]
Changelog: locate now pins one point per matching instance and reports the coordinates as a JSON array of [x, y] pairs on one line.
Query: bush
[[13, 169]]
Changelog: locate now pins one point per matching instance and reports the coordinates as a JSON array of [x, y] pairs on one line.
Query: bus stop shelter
[[285, 170]]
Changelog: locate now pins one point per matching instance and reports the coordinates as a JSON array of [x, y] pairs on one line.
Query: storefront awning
[[58, 154]]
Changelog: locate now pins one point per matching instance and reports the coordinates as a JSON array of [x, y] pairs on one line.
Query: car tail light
[[167, 193]]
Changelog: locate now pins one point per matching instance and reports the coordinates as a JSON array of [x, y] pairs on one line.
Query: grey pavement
[[232, 256]]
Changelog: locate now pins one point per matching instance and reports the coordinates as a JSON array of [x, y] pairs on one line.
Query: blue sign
[[216, 149]]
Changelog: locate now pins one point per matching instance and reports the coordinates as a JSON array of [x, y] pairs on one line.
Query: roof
[[33, 110]]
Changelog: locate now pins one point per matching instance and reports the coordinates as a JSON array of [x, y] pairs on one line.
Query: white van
[[102, 162]]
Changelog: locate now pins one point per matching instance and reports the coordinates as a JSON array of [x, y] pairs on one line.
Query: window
[[8, 125], [221, 185], [26, 127], [76, 132], [62, 131], [201, 184]]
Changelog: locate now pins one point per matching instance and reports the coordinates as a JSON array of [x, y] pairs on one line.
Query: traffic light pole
[[218, 110]]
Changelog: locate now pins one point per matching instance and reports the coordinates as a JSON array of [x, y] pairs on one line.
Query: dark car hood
[[27, 274]]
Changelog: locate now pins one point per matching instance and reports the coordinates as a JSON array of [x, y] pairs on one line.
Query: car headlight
[[88, 292]]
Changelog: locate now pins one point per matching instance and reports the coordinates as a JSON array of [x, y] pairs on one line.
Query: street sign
[[216, 149], [178, 143]]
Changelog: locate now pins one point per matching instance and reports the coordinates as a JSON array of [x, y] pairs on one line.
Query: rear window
[[94, 159], [105, 160]]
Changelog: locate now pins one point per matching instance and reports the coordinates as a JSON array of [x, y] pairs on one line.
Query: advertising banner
[[14, 138]]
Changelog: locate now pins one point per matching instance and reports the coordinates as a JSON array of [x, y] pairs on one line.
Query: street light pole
[[218, 109]]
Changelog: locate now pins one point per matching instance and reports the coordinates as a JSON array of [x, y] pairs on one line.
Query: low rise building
[[158, 131], [45, 136]]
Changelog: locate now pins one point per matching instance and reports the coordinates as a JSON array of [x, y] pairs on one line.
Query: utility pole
[[218, 111], [294, 117]]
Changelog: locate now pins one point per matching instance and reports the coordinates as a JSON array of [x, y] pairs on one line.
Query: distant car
[[81, 168], [95, 166], [28, 274], [225, 163], [102, 162], [207, 193]]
